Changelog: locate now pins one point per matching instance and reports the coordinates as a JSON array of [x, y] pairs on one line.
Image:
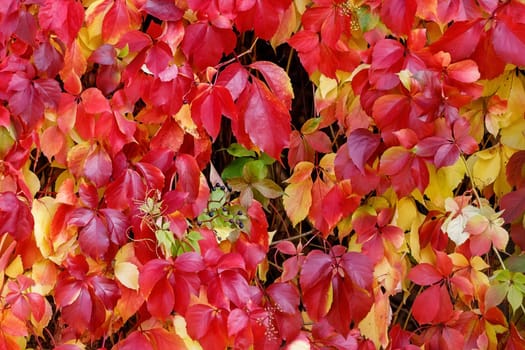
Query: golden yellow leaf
[[43, 210], [127, 274], [15, 268], [443, 182], [406, 213], [297, 200], [486, 166], [375, 325]]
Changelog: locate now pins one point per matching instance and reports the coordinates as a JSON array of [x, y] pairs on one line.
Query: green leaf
[[310, 126], [515, 297], [238, 150], [516, 263], [165, 239], [502, 275], [268, 188], [234, 169], [254, 171], [266, 159]]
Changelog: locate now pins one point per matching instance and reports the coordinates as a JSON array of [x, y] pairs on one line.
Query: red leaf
[[158, 58], [208, 107], [135, 340], [465, 71], [387, 61], [234, 77], [352, 288], [424, 274], [319, 141], [208, 325], [151, 174], [285, 296], [93, 235], [328, 20], [277, 80], [263, 16], [315, 280], [235, 287], [121, 192], [98, 166], [433, 305], [399, 15], [237, 321], [513, 204], [117, 224], [346, 169], [316, 215], [161, 299], [106, 290], [460, 39], [151, 273], [15, 217], [119, 20], [391, 112], [395, 160], [189, 262], [165, 10], [94, 102], [516, 169], [362, 144], [259, 109], [218, 42], [64, 17], [509, 40], [169, 136]]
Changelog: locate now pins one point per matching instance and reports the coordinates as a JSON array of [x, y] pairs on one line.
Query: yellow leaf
[[327, 164], [327, 89], [413, 240], [15, 268], [125, 271], [375, 325], [406, 213], [443, 182], [297, 200], [128, 274], [301, 172], [32, 181], [514, 135], [185, 121], [486, 166], [43, 211]]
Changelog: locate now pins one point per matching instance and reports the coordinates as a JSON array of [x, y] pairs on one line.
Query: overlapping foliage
[[262, 174]]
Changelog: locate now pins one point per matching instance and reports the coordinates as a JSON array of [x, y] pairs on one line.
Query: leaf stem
[[469, 174]]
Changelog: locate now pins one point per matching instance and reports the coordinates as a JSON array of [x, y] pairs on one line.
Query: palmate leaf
[[338, 286], [266, 118]]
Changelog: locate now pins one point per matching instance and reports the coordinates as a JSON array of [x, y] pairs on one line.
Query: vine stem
[[236, 58]]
